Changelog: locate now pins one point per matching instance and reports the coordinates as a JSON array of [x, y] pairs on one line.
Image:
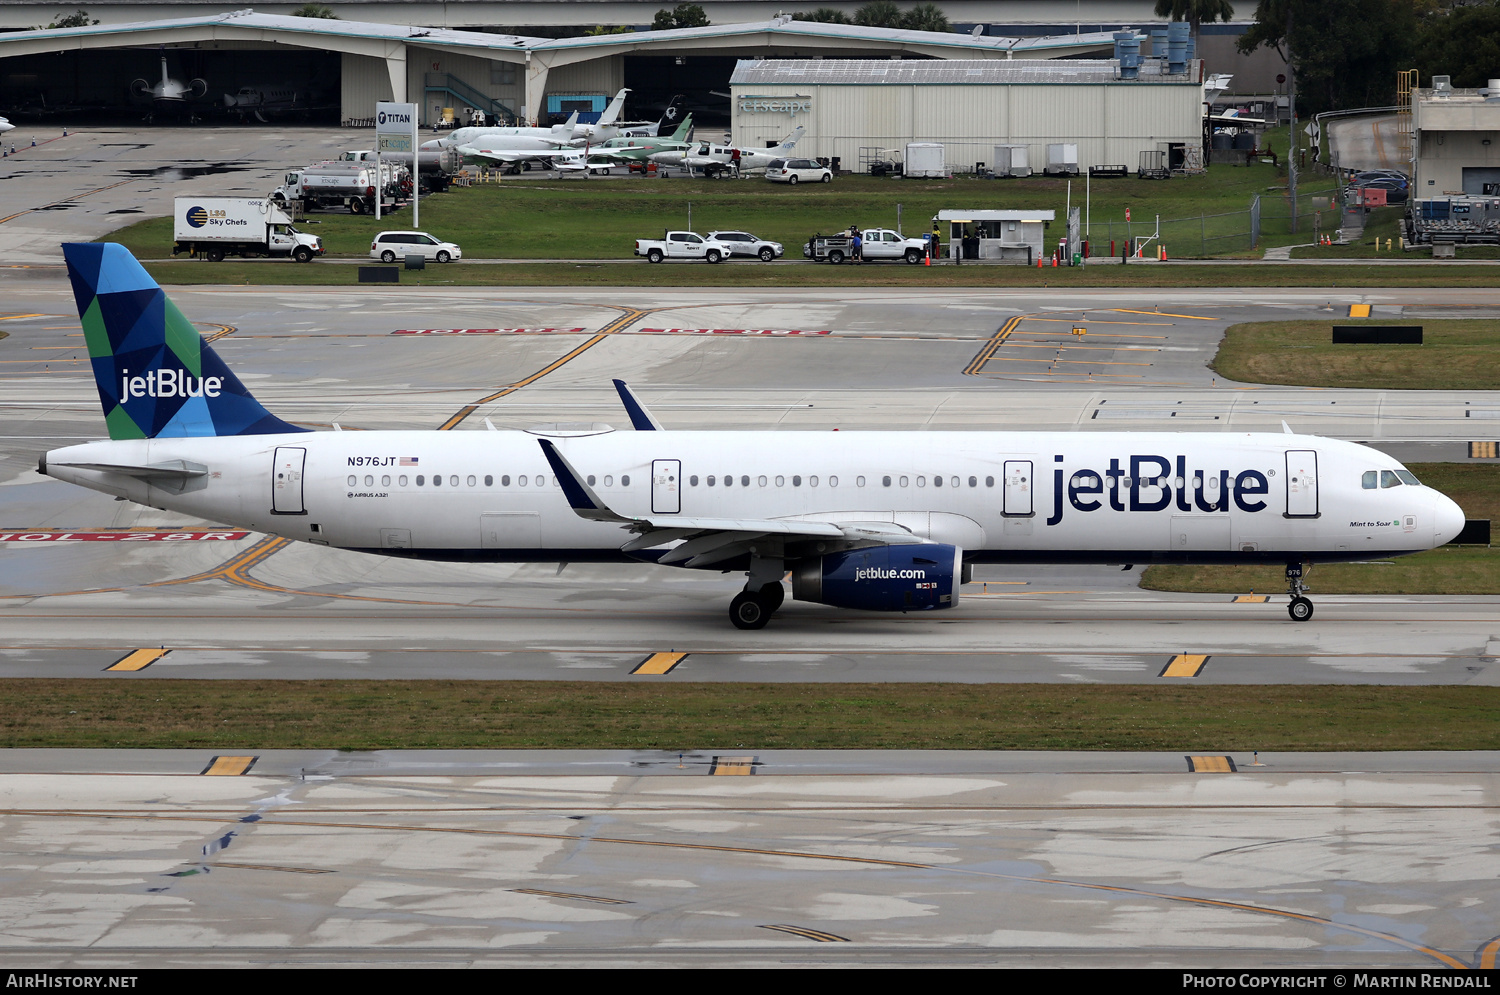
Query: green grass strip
[[365, 715], [884, 274], [1459, 354]]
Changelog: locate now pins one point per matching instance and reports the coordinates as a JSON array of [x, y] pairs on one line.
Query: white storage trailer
[[925, 160], [216, 227], [1012, 161], [1062, 159]]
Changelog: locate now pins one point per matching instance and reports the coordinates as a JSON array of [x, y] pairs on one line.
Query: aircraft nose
[[1447, 519]]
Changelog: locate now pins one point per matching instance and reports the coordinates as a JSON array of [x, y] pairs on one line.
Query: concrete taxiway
[[725, 359], [624, 859]]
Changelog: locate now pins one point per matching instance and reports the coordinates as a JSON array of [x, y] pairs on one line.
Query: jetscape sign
[[395, 126]]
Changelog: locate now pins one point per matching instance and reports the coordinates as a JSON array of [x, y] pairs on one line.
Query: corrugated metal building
[[968, 105], [1455, 132]]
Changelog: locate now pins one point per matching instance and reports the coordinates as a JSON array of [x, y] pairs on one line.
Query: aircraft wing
[[709, 540], [507, 156]]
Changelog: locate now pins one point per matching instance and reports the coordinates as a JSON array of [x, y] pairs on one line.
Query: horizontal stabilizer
[[174, 469]]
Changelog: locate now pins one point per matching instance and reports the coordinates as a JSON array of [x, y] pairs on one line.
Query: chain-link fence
[[1216, 234]]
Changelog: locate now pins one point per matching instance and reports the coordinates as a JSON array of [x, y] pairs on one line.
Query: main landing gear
[[753, 607], [1300, 608]]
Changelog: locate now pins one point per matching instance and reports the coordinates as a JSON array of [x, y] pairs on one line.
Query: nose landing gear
[[1299, 608]]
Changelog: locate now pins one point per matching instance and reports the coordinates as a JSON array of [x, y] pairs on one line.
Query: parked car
[[742, 243], [1380, 174], [796, 171], [389, 246]]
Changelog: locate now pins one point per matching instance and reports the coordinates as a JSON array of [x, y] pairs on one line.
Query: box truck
[[215, 227]]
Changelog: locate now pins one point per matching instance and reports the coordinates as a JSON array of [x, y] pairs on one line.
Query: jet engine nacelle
[[917, 577]]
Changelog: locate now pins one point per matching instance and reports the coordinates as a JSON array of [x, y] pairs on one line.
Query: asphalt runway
[[185, 858], [725, 359]]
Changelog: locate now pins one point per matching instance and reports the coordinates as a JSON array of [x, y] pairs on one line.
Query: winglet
[[640, 418], [1286, 428], [581, 498]]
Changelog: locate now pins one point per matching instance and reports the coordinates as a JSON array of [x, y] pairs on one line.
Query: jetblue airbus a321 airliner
[[882, 521]]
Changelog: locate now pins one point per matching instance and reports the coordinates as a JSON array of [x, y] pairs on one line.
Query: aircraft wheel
[[747, 612], [387, 256], [767, 254], [771, 596], [1300, 609]]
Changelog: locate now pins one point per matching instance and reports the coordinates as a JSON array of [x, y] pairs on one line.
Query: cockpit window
[[1388, 478], [1407, 477], [1370, 480]]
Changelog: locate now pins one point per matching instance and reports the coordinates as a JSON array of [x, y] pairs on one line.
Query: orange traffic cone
[[1163, 253]]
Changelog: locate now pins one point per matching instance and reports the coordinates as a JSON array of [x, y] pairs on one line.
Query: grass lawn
[[1462, 354], [1448, 570], [579, 218], [368, 715]]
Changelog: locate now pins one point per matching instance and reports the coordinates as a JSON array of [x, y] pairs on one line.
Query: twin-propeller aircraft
[[882, 521]]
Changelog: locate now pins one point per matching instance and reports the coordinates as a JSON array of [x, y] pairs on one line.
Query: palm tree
[[824, 15], [1195, 12], [925, 17], [879, 14]]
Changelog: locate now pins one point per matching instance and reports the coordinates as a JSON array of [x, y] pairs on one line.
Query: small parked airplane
[[719, 158], [5, 126], [167, 94], [881, 521]]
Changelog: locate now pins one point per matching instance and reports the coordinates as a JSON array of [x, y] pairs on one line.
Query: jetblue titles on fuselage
[[1149, 485]]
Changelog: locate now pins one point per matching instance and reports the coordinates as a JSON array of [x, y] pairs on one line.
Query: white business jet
[[719, 158], [881, 521]]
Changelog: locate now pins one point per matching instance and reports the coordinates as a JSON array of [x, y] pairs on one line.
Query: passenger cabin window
[[885, 481], [624, 480], [420, 480], [489, 481], [744, 480]]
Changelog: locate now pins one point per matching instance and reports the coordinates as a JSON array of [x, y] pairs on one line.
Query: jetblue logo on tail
[[169, 383]]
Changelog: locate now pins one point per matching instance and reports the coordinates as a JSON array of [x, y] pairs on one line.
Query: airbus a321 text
[[882, 521]]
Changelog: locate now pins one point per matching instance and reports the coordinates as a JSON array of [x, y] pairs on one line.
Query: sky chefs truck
[[220, 226], [343, 184]]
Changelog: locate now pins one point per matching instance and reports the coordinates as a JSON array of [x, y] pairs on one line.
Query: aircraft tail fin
[[790, 142], [156, 376], [672, 114], [681, 134], [612, 112]]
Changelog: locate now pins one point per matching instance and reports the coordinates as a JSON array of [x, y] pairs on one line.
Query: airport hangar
[[509, 76], [1254, 74], [852, 107]]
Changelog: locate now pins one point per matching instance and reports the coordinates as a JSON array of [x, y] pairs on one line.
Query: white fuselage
[[1018, 497]]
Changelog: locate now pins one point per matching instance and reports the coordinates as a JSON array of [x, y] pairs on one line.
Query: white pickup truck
[[682, 245], [875, 243]]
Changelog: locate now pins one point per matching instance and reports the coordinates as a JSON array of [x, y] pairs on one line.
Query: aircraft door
[[1301, 483], [286, 481], [666, 486], [1018, 489]]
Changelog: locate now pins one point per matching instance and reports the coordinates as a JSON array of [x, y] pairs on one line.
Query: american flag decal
[[408, 461]]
